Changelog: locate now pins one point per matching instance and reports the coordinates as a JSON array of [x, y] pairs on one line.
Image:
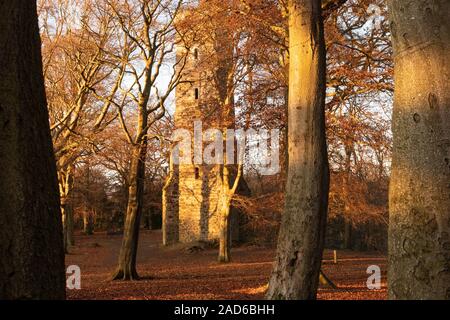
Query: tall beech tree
[[148, 46], [301, 239], [31, 239], [419, 204]]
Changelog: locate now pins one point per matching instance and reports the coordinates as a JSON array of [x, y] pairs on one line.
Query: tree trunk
[[65, 181], [148, 219], [419, 199], [88, 223], [229, 189], [225, 227], [67, 221], [285, 151], [69, 226], [170, 218], [301, 239], [31, 239], [348, 228], [225, 234], [127, 259]]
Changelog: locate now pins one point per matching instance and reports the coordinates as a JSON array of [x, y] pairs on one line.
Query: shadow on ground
[[175, 273]]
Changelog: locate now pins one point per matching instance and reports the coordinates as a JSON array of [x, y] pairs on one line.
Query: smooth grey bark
[[31, 238], [301, 239], [419, 199]]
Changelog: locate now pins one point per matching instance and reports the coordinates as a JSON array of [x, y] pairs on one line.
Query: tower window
[[196, 94], [195, 53], [197, 173]]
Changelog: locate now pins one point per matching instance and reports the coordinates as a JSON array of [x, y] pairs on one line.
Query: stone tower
[[192, 191]]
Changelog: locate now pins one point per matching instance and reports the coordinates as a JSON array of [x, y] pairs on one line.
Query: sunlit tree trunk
[[285, 161], [419, 199], [67, 221], [301, 239], [228, 192], [229, 171], [65, 181], [126, 269], [31, 239], [127, 259], [148, 45], [225, 233]]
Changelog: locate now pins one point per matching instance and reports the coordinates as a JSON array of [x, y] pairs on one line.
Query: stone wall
[[192, 192]]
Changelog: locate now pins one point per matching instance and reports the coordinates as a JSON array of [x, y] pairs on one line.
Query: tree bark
[[88, 223], [69, 225], [301, 239], [348, 227], [67, 222], [127, 259], [419, 197], [227, 194], [65, 181], [31, 239], [225, 234]]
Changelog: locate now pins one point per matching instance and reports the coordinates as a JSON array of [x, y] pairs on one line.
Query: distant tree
[[419, 200], [31, 239], [300, 245], [78, 34]]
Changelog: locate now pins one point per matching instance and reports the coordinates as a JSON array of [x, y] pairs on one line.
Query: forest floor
[[176, 273]]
